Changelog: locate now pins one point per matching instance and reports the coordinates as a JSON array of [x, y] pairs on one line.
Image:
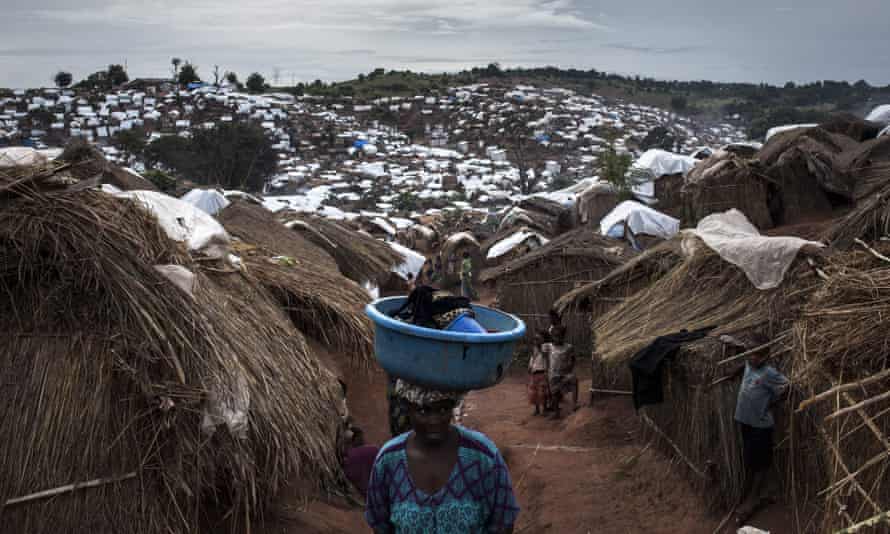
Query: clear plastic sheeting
[[228, 406], [179, 276], [640, 219], [765, 260], [209, 201], [184, 222]]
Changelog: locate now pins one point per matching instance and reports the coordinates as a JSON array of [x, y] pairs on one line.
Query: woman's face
[[432, 422]]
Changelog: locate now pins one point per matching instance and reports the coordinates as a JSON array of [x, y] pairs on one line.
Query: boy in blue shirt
[[762, 386]]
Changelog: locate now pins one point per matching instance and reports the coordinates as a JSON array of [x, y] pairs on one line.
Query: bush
[[614, 169], [256, 83], [161, 180]]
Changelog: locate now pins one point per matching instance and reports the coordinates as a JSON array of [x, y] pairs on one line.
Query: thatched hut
[[695, 421], [529, 285], [360, 257], [133, 403], [420, 238], [594, 203], [452, 253], [726, 180]]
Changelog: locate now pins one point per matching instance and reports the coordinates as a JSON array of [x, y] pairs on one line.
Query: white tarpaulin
[[506, 245], [20, 156], [880, 114], [179, 276], [763, 259], [641, 219], [413, 261], [184, 222], [208, 200], [787, 128], [656, 163]]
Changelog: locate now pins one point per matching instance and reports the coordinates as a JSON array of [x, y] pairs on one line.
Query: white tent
[[880, 114], [505, 245], [640, 219], [210, 201], [656, 163]]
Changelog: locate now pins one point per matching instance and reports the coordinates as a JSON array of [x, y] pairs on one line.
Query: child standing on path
[[561, 370], [538, 365]]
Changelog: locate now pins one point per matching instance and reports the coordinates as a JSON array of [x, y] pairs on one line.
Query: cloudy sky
[[756, 40]]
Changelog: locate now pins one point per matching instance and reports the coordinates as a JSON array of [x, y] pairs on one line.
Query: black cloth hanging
[[647, 364], [425, 304]]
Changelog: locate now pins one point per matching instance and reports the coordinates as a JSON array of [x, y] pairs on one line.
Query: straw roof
[[112, 369], [88, 162], [583, 243], [360, 257], [256, 225], [869, 220], [458, 241]]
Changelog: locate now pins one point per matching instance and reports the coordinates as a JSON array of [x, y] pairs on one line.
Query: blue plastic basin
[[443, 359]]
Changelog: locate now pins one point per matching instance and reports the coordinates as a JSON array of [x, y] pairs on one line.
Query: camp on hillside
[[529, 285], [190, 396]]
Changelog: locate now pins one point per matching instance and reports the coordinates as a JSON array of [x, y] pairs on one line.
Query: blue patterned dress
[[478, 497]]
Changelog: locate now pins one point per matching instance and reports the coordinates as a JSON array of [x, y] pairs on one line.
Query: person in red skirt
[[538, 364]]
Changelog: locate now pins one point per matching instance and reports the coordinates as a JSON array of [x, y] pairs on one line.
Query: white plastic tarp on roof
[[880, 114], [657, 163], [20, 156], [641, 219], [763, 259], [506, 245], [413, 261], [184, 222], [780, 129], [210, 201], [383, 225], [462, 236], [885, 131]]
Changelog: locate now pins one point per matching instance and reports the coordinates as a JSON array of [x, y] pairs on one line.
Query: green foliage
[[163, 181], [132, 142], [678, 103], [117, 75], [63, 79], [233, 156], [771, 117], [613, 169], [406, 201], [188, 74], [41, 118], [256, 83], [659, 137]]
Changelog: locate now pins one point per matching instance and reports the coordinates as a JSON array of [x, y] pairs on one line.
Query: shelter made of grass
[[530, 285], [696, 419], [109, 369]]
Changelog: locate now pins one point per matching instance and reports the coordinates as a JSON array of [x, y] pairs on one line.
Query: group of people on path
[[551, 370]]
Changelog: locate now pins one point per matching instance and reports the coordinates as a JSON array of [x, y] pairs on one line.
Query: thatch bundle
[[109, 370], [321, 302], [723, 181], [870, 220], [868, 166], [256, 225], [595, 203], [87, 162], [360, 257], [529, 286]]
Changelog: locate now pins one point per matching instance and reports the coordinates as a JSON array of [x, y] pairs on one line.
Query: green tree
[[171, 151], [614, 170], [176, 62], [63, 79], [131, 142], [188, 74], [256, 83], [117, 75], [163, 181], [234, 156]]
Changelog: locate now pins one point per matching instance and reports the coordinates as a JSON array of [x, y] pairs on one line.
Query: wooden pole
[[843, 387], [68, 489], [673, 445], [755, 349]]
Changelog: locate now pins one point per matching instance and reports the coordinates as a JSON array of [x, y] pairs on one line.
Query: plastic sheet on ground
[[764, 260], [641, 219], [208, 200], [184, 222]]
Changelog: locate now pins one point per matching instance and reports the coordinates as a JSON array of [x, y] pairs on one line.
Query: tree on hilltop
[[117, 75], [256, 83], [63, 79], [176, 62], [188, 74]]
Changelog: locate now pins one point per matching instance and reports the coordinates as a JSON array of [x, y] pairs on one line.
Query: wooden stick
[[756, 349], [852, 478], [611, 391], [870, 522], [856, 407], [873, 252], [682, 456], [841, 388], [725, 520], [69, 488]]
